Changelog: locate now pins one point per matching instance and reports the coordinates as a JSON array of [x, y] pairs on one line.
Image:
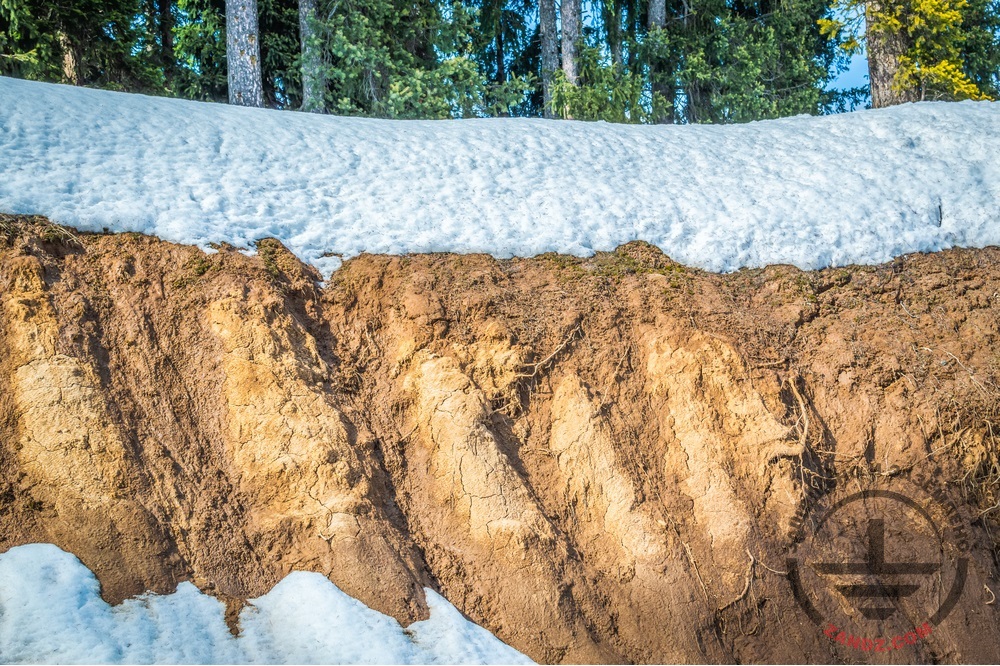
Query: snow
[[862, 187], [51, 612]]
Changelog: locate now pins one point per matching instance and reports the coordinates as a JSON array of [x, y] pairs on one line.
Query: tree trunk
[[884, 50], [501, 65], [571, 40], [657, 21], [167, 58], [614, 9], [657, 14], [243, 53], [550, 51], [313, 80], [70, 61], [632, 20]]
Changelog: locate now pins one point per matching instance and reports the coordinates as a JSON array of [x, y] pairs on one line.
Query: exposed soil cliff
[[597, 459]]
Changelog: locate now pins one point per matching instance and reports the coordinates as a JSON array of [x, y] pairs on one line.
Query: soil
[[598, 460]]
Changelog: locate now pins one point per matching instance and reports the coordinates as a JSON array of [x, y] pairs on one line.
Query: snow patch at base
[[861, 187], [51, 612]]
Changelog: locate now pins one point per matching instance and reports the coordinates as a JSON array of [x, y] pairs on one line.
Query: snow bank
[[51, 612], [854, 188]]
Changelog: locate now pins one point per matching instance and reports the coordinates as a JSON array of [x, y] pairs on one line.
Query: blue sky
[[855, 75]]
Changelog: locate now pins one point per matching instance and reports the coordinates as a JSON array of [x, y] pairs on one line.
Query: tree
[[280, 52], [200, 50], [550, 51], [500, 39], [88, 42], [886, 47], [712, 61], [605, 90], [661, 91], [980, 47], [243, 53], [571, 40], [918, 49], [751, 59], [684, 61], [160, 34], [932, 66], [313, 75]]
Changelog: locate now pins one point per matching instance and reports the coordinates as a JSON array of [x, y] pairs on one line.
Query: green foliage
[[605, 91], [752, 62], [980, 48], [714, 61], [200, 47], [88, 42], [279, 53], [454, 89], [398, 59], [378, 55], [952, 46], [934, 37]]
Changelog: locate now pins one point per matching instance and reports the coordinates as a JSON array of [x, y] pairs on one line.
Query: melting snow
[[51, 612], [862, 187]]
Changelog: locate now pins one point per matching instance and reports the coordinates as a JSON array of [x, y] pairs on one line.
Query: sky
[[855, 75]]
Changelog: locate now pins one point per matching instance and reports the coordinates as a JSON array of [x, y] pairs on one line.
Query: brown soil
[[596, 459]]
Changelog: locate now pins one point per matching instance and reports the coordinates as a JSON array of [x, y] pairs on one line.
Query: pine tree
[[980, 47], [887, 45], [161, 32], [571, 22], [88, 42], [200, 49], [917, 48], [243, 53], [550, 51], [633, 61], [662, 95], [313, 75]]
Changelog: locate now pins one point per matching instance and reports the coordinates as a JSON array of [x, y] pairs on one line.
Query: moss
[[267, 250], [562, 261], [193, 268], [636, 258], [199, 265]]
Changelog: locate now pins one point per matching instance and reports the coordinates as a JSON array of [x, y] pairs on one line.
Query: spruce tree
[[571, 22], [550, 52], [243, 53], [679, 61], [98, 43], [313, 74]]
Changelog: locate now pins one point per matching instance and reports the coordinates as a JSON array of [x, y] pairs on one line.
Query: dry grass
[[978, 451], [15, 226]]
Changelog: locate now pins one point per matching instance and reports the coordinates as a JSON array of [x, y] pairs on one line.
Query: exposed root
[[774, 571], [804, 415], [694, 565], [748, 583], [537, 367]]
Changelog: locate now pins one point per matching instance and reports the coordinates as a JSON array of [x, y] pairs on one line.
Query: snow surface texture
[[862, 187], [51, 612]]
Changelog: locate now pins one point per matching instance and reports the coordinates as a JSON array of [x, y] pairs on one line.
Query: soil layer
[[598, 460]]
